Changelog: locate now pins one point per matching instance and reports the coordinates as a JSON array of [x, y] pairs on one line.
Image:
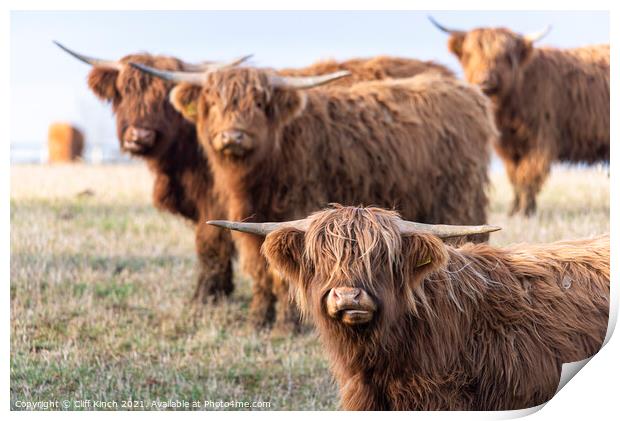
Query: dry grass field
[[101, 282]]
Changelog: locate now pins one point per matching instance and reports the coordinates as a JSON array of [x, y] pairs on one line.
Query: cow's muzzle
[[138, 140], [351, 306], [233, 142], [489, 84]]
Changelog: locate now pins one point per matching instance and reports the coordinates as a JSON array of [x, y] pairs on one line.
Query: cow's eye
[[260, 105]]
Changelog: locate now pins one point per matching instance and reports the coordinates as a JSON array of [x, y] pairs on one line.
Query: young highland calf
[[149, 128], [550, 104], [411, 323], [419, 145]]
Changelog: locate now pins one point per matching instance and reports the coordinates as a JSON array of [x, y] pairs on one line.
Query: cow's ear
[[184, 98], [284, 251], [102, 81], [455, 44], [423, 254], [285, 104], [525, 50]]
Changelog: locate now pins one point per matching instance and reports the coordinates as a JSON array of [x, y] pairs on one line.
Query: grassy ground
[[100, 285]]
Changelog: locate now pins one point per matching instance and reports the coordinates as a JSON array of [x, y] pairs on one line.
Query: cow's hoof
[[260, 319], [530, 209], [212, 288], [515, 209]]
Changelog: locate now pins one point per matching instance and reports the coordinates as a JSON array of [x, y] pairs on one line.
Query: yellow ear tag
[[424, 262], [191, 110]]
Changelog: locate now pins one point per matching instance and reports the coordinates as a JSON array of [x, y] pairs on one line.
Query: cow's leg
[[511, 172], [255, 266], [263, 300], [215, 275], [531, 173], [528, 202], [287, 316], [168, 196]]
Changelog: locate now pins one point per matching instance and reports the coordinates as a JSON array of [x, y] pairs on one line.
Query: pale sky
[[48, 85]]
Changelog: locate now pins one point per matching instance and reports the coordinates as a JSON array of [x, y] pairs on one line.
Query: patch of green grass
[[113, 291]]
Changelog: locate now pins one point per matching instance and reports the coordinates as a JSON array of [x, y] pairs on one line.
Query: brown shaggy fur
[[183, 181], [470, 328], [376, 68], [551, 105], [387, 143]]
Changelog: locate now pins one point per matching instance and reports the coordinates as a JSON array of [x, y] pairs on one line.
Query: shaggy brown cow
[[411, 323], [550, 104], [278, 152], [149, 128]]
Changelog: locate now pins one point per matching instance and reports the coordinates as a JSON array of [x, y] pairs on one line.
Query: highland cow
[[278, 152], [551, 105], [411, 323], [149, 128]]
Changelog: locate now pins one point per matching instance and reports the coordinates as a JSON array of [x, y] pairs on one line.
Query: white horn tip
[[539, 35]]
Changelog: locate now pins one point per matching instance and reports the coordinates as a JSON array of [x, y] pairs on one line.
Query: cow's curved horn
[[194, 78], [444, 231], [261, 228], [306, 82], [214, 65], [443, 28], [537, 36], [90, 60]]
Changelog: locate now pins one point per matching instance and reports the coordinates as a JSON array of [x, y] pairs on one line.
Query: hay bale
[[65, 143]]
